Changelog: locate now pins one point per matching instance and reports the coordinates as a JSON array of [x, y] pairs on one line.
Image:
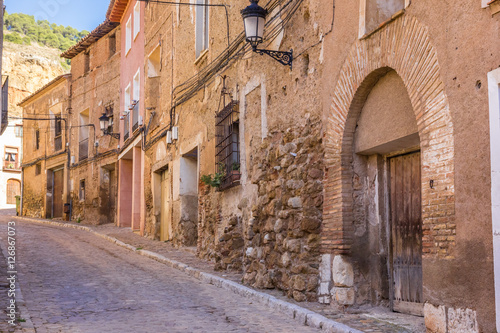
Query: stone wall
[[283, 237]]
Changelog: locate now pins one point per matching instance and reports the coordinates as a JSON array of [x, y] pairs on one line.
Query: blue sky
[[80, 14]]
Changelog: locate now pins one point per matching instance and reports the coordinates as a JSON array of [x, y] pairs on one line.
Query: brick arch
[[404, 46]]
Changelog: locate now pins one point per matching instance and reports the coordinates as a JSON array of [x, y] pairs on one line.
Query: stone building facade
[[45, 160], [95, 70], [360, 177]]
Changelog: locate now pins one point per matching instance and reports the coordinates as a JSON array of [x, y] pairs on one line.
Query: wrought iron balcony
[[11, 166]]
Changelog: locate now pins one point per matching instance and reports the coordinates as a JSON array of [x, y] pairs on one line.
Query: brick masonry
[[405, 46]]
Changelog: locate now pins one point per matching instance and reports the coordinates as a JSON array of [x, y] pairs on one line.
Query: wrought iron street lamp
[[104, 124], [254, 19]]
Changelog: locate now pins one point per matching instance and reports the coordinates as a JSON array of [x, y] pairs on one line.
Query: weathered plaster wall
[[93, 91], [53, 100], [274, 103], [464, 60]]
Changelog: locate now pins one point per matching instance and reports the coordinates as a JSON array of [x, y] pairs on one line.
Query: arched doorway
[[386, 189], [13, 189], [403, 46]]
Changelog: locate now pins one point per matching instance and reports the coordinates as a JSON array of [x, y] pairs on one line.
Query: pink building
[[131, 205]]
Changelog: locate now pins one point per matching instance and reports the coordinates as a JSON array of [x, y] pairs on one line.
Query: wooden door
[[112, 195], [166, 211], [406, 219], [13, 189], [58, 190]]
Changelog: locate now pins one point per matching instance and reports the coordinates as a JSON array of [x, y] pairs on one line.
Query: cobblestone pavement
[[374, 320], [73, 281]]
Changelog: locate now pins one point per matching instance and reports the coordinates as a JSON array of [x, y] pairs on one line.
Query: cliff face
[[29, 68]]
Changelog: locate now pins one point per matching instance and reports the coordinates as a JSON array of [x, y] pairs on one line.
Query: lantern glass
[[254, 29], [103, 122]]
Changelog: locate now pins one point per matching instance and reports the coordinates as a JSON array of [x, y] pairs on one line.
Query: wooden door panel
[[166, 216], [58, 189], [405, 196]]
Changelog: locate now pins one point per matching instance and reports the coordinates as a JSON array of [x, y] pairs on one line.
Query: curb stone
[[303, 316]]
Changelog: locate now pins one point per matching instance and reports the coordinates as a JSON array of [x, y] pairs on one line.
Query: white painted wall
[[494, 96], [8, 138]]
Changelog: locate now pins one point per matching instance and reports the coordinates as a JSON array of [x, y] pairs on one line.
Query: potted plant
[[235, 171], [215, 180]]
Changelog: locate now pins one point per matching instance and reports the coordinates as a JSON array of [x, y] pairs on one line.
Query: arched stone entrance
[[403, 46]]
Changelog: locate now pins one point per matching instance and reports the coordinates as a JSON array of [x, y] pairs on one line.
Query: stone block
[[295, 202], [343, 296], [462, 320], [324, 300], [325, 268], [324, 288], [435, 318], [342, 272], [278, 225]]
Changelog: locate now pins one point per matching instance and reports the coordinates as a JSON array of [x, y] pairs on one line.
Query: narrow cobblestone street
[[73, 281]]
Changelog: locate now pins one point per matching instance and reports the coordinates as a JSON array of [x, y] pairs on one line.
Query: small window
[[82, 189], [11, 159], [373, 13], [38, 169], [128, 35], [201, 27], [57, 128], [137, 19], [86, 56], [18, 131], [37, 139], [227, 151], [154, 62], [112, 45]]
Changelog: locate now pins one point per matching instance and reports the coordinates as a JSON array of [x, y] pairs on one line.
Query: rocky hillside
[[29, 68]]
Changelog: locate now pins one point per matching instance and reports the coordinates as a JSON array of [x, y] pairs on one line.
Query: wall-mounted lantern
[[254, 19], [104, 124]]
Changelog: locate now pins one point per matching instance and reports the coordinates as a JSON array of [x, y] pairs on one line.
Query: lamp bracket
[[284, 58], [114, 135]]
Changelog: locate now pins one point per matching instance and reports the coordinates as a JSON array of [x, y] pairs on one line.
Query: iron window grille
[[227, 150], [135, 117], [58, 134], [83, 149], [37, 139]]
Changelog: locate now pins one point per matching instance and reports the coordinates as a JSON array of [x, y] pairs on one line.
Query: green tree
[[25, 29]]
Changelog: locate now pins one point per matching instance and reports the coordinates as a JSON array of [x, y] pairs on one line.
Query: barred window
[[227, 151]]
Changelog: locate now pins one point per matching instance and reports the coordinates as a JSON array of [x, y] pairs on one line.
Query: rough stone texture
[[435, 318], [462, 320], [284, 233], [342, 272]]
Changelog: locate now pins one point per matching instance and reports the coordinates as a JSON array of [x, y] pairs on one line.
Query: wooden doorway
[[406, 236], [58, 192], [13, 189], [166, 207]]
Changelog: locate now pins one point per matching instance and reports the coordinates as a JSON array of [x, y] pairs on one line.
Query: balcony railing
[[11, 166], [126, 125], [58, 143], [83, 150], [135, 117]]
